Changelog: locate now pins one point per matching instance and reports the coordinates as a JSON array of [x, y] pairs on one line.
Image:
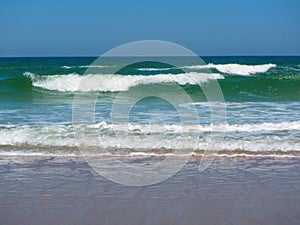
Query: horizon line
[[95, 56]]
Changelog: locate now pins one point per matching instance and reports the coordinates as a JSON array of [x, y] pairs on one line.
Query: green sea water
[[262, 100]]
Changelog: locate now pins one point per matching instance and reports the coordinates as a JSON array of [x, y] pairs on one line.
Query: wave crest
[[113, 82], [234, 68]]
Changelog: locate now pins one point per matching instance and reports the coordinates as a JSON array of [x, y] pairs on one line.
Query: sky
[[92, 27]]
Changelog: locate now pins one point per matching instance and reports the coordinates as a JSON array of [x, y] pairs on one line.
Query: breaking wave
[[114, 82], [149, 137], [234, 68]]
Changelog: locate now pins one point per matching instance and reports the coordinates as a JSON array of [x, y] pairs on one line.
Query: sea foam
[[234, 68], [114, 83], [149, 137]]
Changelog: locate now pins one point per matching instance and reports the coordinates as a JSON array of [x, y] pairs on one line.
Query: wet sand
[[47, 190]]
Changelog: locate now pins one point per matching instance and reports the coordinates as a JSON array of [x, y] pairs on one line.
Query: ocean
[[261, 98]]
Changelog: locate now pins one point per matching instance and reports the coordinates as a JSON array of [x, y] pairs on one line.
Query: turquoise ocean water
[[262, 100]]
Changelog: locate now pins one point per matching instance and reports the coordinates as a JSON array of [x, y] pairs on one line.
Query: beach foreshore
[[232, 190]]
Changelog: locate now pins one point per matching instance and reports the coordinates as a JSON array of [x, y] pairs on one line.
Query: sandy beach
[[65, 190]]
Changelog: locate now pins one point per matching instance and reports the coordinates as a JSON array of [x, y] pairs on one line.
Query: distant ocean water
[[262, 100]]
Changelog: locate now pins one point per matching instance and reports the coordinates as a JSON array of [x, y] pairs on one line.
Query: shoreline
[[275, 155]]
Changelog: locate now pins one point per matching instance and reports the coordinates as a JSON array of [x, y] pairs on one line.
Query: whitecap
[[234, 68]]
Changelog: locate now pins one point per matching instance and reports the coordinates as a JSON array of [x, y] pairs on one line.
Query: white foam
[[30, 153], [95, 66], [157, 136], [86, 66], [283, 126], [153, 69], [112, 82], [143, 154], [234, 68]]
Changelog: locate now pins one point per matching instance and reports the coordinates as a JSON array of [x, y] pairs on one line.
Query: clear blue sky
[[91, 27]]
